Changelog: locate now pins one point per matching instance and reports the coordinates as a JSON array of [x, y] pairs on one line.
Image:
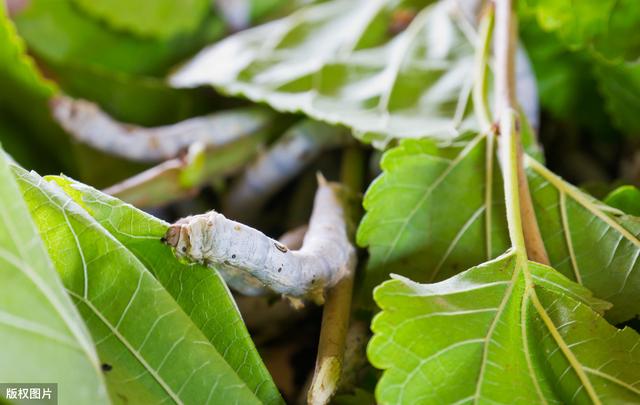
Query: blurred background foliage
[[590, 124], [118, 54], [92, 50]]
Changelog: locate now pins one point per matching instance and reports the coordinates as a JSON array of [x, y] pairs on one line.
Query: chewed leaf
[[504, 334], [356, 63]]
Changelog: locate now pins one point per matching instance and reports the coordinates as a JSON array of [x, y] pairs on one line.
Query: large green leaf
[[426, 219], [149, 18], [509, 332], [608, 27], [58, 32], [153, 350], [199, 291], [39, 325], [341, 61]]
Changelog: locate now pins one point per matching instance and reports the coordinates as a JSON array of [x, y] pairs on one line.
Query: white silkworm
[[293, 238], [86, 122], [245, 283], [299, 146], [237, 250]]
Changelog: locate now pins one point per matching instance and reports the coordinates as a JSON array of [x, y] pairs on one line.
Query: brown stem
[[337, 308], [505, 88]]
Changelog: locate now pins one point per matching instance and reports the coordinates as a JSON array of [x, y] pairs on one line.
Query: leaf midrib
[[494, 323], [529, 293], [579, 197]]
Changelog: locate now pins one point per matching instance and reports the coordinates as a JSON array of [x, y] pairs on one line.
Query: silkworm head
[[178, 236], [172, 237]]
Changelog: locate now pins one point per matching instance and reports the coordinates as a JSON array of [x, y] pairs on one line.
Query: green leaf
[[620, 86], [17, 67], [575, 86], [22, 85], [155, 351], [566, 82], [149, 18], [59, 33], [341, 61], [626, 199], [135, 99], [428, 214], [607, 27], [426, 219], [587, 241], [39, 325], [502, 332], [199, 291]]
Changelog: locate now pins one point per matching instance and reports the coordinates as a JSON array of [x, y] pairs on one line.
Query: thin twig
[[504, 45], [337, 309], [506, 109]]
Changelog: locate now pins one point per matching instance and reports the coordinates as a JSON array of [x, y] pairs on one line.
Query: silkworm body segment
[[235, 249]]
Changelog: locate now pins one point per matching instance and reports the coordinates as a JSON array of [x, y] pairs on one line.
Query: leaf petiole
[[522, 223], [481, 85]]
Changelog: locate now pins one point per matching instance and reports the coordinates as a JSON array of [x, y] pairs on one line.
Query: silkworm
[[87, 123], [298, 147], [237, 250], [184, 176]]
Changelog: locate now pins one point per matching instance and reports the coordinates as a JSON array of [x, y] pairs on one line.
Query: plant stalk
[[480, 86], [483, 112], [337, 308], [523, 226]]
